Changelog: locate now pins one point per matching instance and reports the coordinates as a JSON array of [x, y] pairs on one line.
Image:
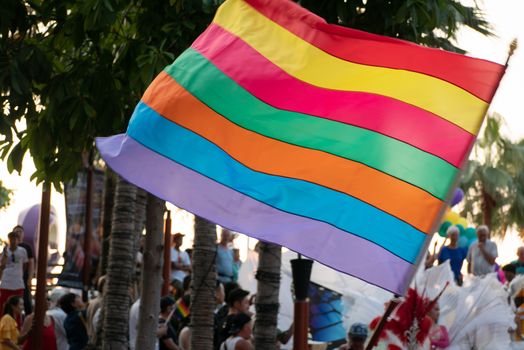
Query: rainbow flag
[[335, 143], [181, 310]]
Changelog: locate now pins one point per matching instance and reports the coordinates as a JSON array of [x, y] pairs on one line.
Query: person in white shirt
[[180, 262], [58, 316], [12, 269], [133, 323], [240, 333], [482, 254]]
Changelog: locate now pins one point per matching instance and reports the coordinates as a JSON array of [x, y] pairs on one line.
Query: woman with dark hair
[[9, 335], [240, 333], [48, 333], [167, 341], [75, 323]]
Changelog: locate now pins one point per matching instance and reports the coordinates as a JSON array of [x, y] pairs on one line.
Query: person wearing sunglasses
[[12, 270]]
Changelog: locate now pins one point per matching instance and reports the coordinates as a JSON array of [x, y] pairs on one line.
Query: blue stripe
[[290, 195]]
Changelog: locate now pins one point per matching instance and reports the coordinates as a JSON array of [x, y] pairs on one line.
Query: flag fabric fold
[[335, 143]]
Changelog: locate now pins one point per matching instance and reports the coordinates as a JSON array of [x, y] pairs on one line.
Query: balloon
[[470, 233], [463, 242], [452, 217], [443, 230], [462, 221], [461, 230], [473, 240], [457, 196]]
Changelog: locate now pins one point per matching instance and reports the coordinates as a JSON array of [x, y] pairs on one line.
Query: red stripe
[[384, 115], [479, 77]]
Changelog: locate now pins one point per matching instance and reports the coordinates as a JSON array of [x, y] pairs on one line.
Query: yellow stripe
[[312, 65]]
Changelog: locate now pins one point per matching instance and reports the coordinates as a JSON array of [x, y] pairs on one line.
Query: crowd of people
[[481, 257], [71, 325], [233, 315]]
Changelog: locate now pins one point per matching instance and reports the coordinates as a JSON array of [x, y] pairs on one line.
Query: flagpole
[[374, 338], [443, 207], [376, 334]]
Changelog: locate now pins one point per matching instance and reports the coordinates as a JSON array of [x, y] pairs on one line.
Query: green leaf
[[89, 110], [108, 5], [14, 161]]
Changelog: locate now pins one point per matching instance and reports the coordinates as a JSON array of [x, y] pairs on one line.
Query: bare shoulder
[[243, 344]]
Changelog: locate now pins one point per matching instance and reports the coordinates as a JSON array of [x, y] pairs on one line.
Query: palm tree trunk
[[488, 206], [109, 199], [151, 275], [120, 268], [268, 287], [203, 285], [140, 223]]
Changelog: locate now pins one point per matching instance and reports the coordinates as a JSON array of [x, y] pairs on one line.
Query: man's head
[[167, 303], [54, 297], [510, 271], [238, 300], [520, 254], [13, 238], [241, 326], [71, 302], [228, 287], [178, 239], [225, 236], [20, 230], [453, 234], [482, 233], [357, 335]]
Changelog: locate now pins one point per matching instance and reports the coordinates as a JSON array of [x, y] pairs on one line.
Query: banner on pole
[[75, 198]]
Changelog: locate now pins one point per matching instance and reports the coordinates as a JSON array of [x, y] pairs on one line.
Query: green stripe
[[207, 83]]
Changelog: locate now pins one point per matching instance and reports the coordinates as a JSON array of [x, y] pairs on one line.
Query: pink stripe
[[479, 77], [385, 115]]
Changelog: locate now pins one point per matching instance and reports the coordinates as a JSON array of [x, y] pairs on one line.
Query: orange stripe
[[270, 156]]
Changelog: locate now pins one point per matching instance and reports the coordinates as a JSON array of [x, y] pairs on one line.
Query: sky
[[505, 16]]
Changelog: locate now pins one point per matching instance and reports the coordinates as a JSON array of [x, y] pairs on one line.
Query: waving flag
[[335, 143]]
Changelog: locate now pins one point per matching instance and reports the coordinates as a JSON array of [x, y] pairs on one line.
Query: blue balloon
[[471, 233], [463, 242]]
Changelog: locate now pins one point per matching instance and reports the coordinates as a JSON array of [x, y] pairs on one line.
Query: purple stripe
[[217, 203]]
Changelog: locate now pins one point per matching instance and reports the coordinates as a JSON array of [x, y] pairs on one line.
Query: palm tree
[[493, 182], [268, 286], [516, 210], [151, 274], [120, 269], [109, 196], [203, 284]]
